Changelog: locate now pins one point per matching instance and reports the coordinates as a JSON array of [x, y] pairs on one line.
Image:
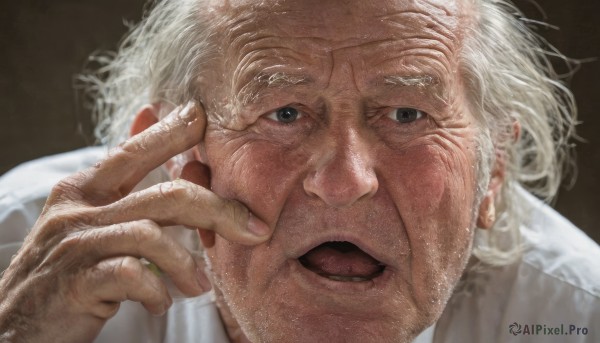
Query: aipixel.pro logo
[[545, 330]]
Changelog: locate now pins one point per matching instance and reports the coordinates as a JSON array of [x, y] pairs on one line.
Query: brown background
[[44, 43]]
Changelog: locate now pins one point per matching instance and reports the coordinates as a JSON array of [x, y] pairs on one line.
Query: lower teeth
[[346, 278]]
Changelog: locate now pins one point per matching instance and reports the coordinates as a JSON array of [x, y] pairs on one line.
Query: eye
[[285, 115], [405, 115]]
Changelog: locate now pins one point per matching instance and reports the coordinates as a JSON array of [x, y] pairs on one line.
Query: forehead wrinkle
[[431, 9], [429, 21], [270, 47], [251, 64], [431, 37], [417, 58], [247, 63], [248, 21]]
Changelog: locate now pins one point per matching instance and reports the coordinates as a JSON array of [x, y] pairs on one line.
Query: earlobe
[[146, 117], [487, 208], [487, 211]]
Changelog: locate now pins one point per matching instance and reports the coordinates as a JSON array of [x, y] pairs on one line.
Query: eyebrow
[[431, 84], [420, 81], [250, 91]]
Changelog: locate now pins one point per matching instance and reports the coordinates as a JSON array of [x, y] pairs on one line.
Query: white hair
[[158, 62], [511, 80], [504, 64]]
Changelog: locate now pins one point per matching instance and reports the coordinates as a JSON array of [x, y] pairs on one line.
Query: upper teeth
[[346, 278]]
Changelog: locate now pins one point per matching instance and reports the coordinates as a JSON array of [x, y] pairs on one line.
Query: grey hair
[[158, 62], [511, 80], [503, 62]]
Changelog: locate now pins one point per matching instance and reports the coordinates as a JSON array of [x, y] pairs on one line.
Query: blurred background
[[45, 44]]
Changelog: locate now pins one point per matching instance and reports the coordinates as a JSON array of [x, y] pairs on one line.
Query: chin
[[275, 326], [299, 305]]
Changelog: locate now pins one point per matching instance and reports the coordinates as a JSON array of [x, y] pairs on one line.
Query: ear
[[487, 208], [487, 211], [198, 173], [146, 117], [186, 165]]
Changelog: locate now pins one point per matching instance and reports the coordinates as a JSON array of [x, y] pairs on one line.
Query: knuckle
[[173, 190], [129, 270], [134, 145], [62, 219], [53, 226], [67, 253], [176, 194], [53, 223], [73, 241], [107, 310], [119, 231], [68, 188], [236, 212], [146, 232]]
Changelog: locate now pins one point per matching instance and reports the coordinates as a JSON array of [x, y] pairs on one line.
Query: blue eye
[[285, 115], [405, 115]]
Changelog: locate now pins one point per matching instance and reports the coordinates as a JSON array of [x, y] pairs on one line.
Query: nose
[[344, 172]]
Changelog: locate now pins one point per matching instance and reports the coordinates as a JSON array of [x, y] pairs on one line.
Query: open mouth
[[342, 261]]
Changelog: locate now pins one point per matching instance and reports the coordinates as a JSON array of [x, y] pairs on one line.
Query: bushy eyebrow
[[280, 80], [250, 91], [427, 83], [420, 81]]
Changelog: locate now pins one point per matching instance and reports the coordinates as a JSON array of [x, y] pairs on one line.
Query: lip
[[312, 280], [360, 242]]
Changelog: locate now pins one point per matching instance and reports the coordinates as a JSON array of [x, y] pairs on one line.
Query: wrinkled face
[[344, 126]]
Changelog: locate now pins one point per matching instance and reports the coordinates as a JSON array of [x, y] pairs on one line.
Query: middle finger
[[181, 202]]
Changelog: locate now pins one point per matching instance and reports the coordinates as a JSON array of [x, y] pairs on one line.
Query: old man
[[354, 171]]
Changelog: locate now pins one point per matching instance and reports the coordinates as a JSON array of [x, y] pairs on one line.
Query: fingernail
[[257, 226]]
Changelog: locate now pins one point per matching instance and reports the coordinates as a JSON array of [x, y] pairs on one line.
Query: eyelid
[[272, 115], [421, 113]]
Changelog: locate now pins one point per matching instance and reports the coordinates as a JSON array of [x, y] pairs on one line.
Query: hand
[[82, 257]]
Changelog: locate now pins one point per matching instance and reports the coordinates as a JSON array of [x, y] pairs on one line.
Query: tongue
[[341, 259]]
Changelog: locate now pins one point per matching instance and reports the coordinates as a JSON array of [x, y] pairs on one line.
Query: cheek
[[433, 187], [437, 200], [258, 173], [433, 181]]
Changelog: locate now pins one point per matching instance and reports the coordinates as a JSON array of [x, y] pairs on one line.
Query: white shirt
[[555, 288]]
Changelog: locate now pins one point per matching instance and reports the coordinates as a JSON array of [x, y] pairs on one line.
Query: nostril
[[342, 191]]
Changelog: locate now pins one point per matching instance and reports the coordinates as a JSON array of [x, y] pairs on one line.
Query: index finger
[[127, 164]]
